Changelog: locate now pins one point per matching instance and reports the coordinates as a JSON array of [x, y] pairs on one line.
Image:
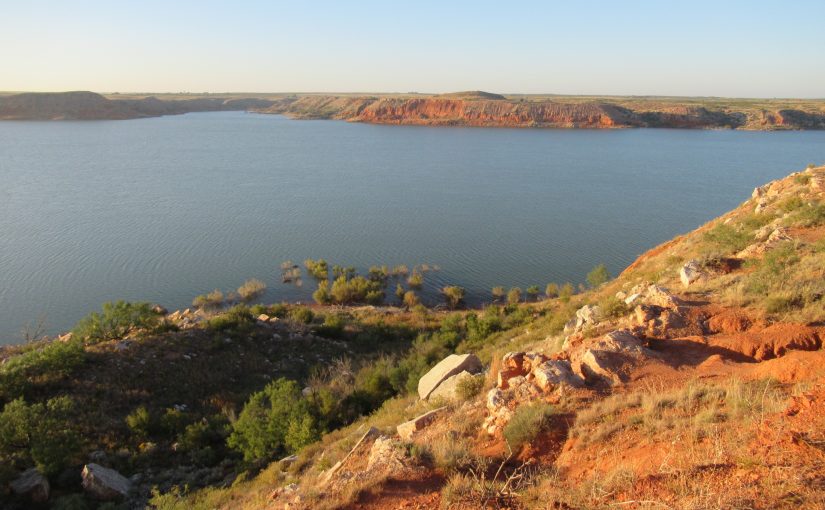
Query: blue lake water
[[166, 208]]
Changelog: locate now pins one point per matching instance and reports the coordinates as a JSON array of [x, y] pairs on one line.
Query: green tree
[[552, 290], [42, 433], [533, 292], [274, 421], [454, 295], [115, 321], [514, 296], [598, 276]]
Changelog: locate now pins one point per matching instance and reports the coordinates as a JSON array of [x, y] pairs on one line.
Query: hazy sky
[[723, 48]]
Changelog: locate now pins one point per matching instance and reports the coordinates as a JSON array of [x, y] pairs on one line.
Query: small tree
[[274, 421], [498, 293], [514, 296], [598, 276], [552, 290], [454, 295], [114, 321], [533, 292], [399, 291], [321, 295]]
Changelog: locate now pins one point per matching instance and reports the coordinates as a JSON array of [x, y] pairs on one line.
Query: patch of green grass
[[527, 423]]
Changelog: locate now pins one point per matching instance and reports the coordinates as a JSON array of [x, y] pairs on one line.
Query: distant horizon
[[367, 92]]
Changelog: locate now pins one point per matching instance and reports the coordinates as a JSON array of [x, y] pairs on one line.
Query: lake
[[163, 209]]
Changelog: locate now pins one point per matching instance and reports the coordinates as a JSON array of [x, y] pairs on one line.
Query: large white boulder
[[446, 368], [103, 483]]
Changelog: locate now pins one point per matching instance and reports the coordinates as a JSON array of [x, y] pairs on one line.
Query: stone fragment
[[408, 429], [103, 483], [33, 485]]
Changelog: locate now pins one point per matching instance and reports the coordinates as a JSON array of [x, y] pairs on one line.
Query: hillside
[[471, 108], [695, 379]]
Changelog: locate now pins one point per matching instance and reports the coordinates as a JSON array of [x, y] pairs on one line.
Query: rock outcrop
[[33, 485]]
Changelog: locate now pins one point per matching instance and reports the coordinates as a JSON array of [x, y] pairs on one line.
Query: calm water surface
[[167, 208]]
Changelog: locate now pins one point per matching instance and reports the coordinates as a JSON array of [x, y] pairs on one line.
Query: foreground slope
[[696, 379]]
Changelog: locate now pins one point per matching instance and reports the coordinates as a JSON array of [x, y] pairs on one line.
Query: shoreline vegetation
[[472, 108]]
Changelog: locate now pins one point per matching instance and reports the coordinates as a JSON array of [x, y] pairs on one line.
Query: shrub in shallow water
[[114, 321]]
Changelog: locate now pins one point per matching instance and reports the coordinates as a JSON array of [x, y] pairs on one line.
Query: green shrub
[[41, 433], [802, 179], [321, 294], [115, 321], [319, 269], [514, 296], [139, 422], [209, 301], [251, 289], [238, 319], [727, 239], [598, 276], [533, 292], [566, 292], [612, 307], [301, 315], [333, 326], [416, 280], [527, 423], [808, 215], [274, 421], [410, 299], [46, 364], [469, 387], [71, 502], [497, 293], [356, 290], [552, 290]]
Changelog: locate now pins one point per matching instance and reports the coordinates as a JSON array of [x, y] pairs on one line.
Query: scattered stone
[[691, 272], [33, 485], [408, 429], [383, 454], [103, 483], [652, 294], [778, 236], [586, 315], [64, 337], [263, 318], [449, 366]]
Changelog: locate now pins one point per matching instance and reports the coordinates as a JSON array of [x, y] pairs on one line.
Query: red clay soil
[[413, 490]]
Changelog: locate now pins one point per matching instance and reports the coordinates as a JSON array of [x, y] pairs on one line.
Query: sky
[[692, 48]]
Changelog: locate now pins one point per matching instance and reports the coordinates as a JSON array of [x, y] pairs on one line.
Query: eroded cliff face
[[445, 111], [461, 109]]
